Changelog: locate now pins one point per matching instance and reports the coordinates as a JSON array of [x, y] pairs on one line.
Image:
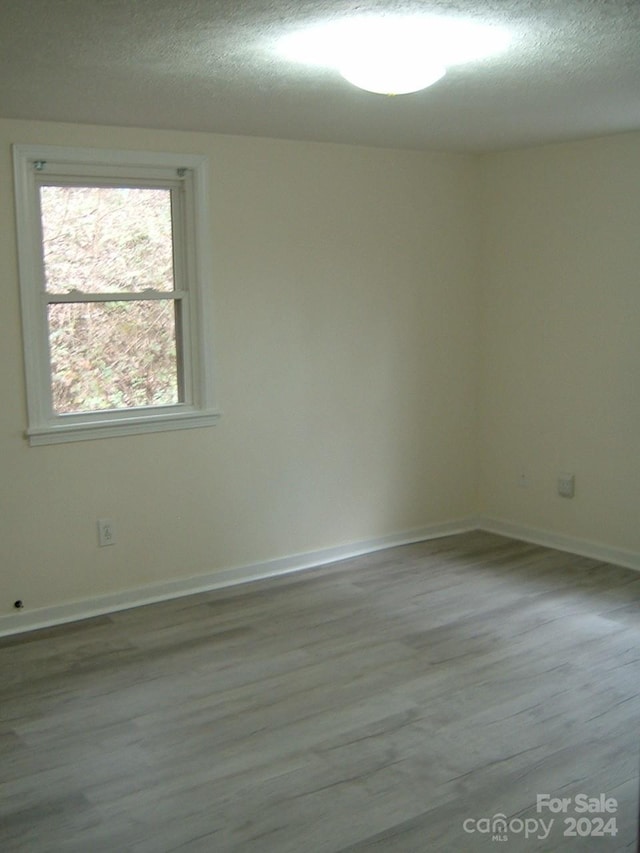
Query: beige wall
[[561, 338], [399, 335], [346, 305]]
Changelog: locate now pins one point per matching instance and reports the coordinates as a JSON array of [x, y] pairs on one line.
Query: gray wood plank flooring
[[372, 705]]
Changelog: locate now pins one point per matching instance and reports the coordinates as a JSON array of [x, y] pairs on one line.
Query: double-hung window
[[115, 281]]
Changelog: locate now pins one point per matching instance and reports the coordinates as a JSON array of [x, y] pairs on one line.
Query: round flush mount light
[[393, 55], [401, 78], [389, 59]]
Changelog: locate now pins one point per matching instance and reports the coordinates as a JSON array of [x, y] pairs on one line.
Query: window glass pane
[[113, 355], [104, 239]]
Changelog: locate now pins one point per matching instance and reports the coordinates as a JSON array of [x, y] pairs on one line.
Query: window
[[114, 279]]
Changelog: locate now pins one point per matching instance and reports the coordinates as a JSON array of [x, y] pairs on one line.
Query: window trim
[[47, 427]]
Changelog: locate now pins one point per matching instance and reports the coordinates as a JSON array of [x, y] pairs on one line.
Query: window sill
[[110, 428]]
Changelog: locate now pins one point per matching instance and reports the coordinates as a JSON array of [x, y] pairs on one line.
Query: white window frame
[[189, 174]]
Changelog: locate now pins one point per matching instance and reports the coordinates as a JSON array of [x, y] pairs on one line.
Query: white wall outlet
[[523, 480], [106, 532], [566, 485]]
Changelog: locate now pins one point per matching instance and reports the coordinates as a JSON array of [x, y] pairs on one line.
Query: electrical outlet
[[523, 480], [106, 532], [566, 485]]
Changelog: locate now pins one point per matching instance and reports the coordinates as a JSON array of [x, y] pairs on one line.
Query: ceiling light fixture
[[394, 55]]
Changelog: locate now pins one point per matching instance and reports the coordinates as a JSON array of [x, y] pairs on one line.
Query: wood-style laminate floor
[[373, 705]]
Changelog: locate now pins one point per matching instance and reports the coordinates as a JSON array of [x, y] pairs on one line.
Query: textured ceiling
[[571, 71]]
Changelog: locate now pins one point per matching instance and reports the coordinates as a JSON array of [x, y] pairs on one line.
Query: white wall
[[347, 350], [561, 338]]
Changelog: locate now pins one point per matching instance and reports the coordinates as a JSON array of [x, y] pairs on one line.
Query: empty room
[[320, 435]]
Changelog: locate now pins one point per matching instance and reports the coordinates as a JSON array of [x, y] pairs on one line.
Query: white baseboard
[[29, 620], [583, 547], [46, 617]]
